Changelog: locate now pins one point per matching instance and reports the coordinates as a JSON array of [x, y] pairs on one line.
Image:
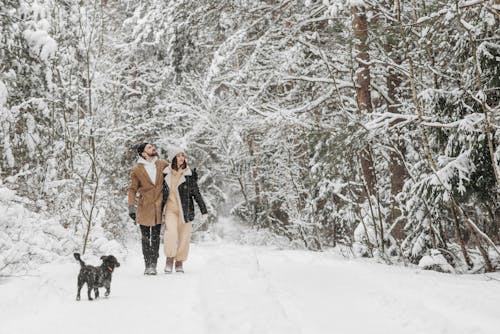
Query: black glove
[[131, 213]]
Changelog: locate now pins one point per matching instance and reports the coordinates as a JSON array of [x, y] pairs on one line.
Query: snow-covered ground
[[230, 288]]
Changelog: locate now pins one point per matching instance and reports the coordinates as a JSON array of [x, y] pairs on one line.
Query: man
[[146, 179]]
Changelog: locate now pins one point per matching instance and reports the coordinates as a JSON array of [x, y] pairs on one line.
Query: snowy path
[[241, 289]]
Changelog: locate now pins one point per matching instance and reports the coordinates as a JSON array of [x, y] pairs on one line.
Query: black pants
[[150, 244]]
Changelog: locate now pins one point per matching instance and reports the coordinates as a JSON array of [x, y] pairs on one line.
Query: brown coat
[[150, 195]]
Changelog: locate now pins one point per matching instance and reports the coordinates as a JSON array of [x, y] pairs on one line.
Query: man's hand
[[131, 213]]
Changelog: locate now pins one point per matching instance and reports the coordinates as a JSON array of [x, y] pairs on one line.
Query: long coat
[[187, 190], [149, 202]]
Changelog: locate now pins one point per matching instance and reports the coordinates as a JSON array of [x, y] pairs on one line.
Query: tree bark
[[255, 176], [397, 168], [363, 95], [360, 26], [461, 241]]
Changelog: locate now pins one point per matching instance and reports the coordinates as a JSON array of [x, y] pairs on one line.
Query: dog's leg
[[79, 287], [96, 293], [89, 289], [108, 290]]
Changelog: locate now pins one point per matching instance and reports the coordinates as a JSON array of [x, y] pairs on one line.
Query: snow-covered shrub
[[364, 238], [435, 261], [28, 239]]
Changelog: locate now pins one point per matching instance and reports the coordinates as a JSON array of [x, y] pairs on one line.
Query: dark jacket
[[188, 193]]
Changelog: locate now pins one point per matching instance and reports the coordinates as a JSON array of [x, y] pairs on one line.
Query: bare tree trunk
[[366, 161], [251, 151], [420, 116], [398, 174], [360, 26], [482, 250], [397, 168], [92, 174], [493, 225], [372, 213], [460, 238], [93, 155], [363, 95], [360, 216]]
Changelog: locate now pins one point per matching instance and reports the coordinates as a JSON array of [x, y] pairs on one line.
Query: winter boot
[[147, 269], [153, 267], [169, 265], [178, 267]]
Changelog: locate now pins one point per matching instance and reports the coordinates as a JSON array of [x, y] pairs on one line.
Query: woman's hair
[[174, 164]]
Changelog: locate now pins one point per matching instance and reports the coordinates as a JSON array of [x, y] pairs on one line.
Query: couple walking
[[166, 192]]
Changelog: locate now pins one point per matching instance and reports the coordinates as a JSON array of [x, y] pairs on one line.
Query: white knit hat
[[173, 151]]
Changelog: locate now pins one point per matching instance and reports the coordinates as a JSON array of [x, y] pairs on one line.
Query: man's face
[[150, 150]]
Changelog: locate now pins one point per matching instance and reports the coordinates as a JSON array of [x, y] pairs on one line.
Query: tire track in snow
[[237, 296], [275, 295], [245, 290]]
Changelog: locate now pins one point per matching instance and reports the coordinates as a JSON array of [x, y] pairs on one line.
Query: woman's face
[[180, 159]]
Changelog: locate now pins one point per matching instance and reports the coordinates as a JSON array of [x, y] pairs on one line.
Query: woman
[[180, 188]]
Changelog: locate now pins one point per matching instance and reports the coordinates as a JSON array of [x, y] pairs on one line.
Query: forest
[[366, 124]]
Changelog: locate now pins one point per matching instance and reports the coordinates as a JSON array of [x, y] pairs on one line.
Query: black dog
[[96, 277]]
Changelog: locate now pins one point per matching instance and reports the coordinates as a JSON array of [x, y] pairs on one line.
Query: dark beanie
[[141, 147]]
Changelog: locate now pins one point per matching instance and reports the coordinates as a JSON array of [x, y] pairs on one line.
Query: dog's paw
[[78, 298]]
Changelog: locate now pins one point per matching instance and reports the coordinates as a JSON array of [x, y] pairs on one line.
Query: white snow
[[27, 238], [435, 259], [7, 154], [7, 195], [230, 288], [467, 25], [3, 95], [41, 43], [357, 3]]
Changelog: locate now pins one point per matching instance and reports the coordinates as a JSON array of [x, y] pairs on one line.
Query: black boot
[[155, 247], [153, 268], [146, 248], [147, 266]]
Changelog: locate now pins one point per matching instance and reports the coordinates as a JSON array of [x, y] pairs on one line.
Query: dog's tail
[[77, 256]]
